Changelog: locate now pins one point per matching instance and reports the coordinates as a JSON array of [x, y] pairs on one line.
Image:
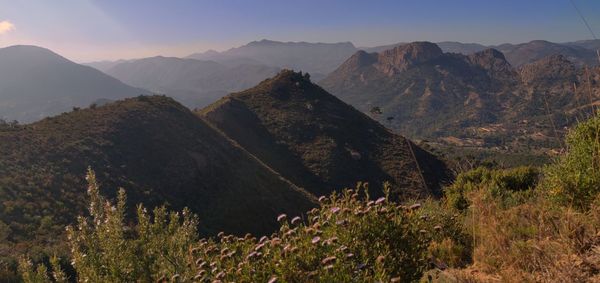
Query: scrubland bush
[[348, 238], [528, 232], [574, 179], [512, 186]]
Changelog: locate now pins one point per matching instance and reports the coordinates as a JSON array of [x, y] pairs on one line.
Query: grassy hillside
[[158, 149]]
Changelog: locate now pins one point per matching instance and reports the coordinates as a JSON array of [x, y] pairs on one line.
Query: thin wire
[[583, 19]]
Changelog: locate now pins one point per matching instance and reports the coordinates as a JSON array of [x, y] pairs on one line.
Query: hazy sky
[[85, 30]]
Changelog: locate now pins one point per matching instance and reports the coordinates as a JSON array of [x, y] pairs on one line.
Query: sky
[[89, 30]]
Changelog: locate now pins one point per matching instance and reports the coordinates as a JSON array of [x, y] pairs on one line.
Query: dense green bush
[[574, 179], [349, 238], [510, 186]]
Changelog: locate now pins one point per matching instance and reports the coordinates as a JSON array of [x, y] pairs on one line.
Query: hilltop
[[319, 142], [156, 148]]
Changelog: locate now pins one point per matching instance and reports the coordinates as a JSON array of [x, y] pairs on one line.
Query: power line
[[583, 19]]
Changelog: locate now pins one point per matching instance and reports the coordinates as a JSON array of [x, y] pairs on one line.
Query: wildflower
[[423, 231], [221, 234], [328, 260], [175, 278], [296, 220], [259, 246], [315, 219], [287, 248], [273, 279], [333, 239], [329, 267], [349, 255], [220, 275], [275, 241], [251, 255], [380, 259], [263, 239], [395, 279], [198, 277], [370, 203], [281, 217], [316, 239], [380, 200], [322, 198], [200, 263], [335, 209], [437, 227], [290, 232], [415, 206]]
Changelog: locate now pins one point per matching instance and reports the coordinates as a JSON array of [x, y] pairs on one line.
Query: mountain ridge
[[297, 128]]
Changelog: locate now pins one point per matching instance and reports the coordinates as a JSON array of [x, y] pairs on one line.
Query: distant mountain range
[[36, 83], [318, 59], [427, 93], [195, 83]]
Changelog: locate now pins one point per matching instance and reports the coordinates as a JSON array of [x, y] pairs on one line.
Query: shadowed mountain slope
[[320, 143], [156, 149]]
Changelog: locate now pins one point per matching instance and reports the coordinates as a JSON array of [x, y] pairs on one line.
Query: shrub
[[349, 238], [510, 186], [574, 179]]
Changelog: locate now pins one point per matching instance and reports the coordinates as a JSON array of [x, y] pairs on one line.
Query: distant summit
[[430, 94], [36, 82], [318, 59], [524, 53], [321, 143]]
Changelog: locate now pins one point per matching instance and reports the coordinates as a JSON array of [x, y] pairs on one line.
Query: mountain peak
[[490, 53], [302, 131], [548, 70], [405, 56], [286, 82]]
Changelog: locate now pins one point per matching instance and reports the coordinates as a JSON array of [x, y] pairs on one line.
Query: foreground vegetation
[[515, 225]]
